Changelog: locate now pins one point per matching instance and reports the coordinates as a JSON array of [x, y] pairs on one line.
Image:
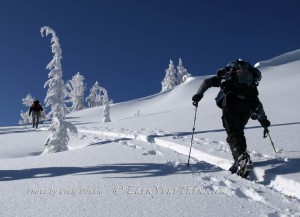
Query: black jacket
[[35, 107]]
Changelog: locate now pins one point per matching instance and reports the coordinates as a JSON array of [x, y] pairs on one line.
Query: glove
[[196, 98], [264, 123], [266, 131]]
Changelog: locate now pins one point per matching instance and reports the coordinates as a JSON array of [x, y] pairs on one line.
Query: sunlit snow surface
[[136, 165]]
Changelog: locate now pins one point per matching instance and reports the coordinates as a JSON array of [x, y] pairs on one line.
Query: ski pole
[[196, 105], [272, 142]]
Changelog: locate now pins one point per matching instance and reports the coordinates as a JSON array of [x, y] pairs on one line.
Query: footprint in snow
[[129, 144], [150, 138], [83, 137], [249, 193], [153, 152], [179, 165], [173, 163], [133, 146], [123, 142], [222, 148]]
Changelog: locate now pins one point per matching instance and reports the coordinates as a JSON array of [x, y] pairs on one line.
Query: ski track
[[279, 183]]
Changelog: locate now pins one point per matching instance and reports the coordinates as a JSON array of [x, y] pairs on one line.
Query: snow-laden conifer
[[91, 99], [182, 73], [170, 80], [106, 107], [76, 89], [96, 96], [57, 92]]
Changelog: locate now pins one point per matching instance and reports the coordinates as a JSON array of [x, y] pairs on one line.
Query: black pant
[[235, 117]]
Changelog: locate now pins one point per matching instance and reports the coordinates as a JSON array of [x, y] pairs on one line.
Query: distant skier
[[35, 109], [238, 99]]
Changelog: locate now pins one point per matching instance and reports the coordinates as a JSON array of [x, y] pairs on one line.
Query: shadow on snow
[[130, 170], [278, 167]]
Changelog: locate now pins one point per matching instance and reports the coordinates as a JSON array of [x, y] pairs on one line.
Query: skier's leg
[[237, 143], [235, 133], [33, 119], [37, 119], [234, 121]]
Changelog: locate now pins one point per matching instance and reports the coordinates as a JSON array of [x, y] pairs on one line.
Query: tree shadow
[[109, 141], [72, 117], [116, 171], [15, 130], [84, 123], [37, 153], [134, 170]]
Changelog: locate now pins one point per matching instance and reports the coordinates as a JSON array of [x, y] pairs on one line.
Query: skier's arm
[[262, 118], [208, 83], [260, 111]]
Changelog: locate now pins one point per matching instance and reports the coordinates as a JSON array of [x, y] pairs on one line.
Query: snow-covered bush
[[25, 118], [76, 89], [28, 100], [56, 94]]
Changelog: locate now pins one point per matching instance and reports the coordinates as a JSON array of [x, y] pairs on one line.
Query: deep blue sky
[[126, 45]]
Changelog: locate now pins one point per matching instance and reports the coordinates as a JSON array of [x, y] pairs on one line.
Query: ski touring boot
[[233, 169], [244, 165]]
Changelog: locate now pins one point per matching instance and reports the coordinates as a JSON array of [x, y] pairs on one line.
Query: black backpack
[[239, 78]]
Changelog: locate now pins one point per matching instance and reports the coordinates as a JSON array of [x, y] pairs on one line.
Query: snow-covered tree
[[97, 95], [57, 92], [25, 118], [76, 89], [170, 80], [58, 140], [106, 107], [92, 98], [182, 73], [28, 100]]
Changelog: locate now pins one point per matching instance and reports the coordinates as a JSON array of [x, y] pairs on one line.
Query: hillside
[[136, 164]]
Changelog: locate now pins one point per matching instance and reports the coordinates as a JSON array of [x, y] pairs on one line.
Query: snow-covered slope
[[281, 59], [136, 164]]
